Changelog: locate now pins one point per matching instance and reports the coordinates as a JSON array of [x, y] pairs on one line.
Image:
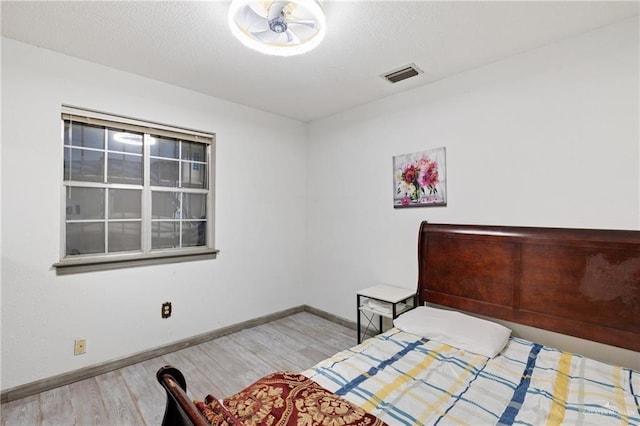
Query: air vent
[[403, 73]]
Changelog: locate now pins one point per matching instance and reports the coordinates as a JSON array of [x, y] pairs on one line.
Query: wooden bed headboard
[[580, 282]]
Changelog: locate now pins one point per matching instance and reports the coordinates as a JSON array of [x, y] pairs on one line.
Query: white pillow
[[456, 329]]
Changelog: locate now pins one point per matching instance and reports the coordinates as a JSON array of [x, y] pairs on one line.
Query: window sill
[[93, 264]]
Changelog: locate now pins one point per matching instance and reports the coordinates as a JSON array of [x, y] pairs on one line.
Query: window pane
[[123, 168], [165, 235], [193, 151], [83, 165], [194, 175], [164, 172], [85, 238], [87, 136], [66, 135], [84, 203], [125, 204], [165, 205], [124, 236], [194, 233], [194, 206], [120, 140], [164, 147]]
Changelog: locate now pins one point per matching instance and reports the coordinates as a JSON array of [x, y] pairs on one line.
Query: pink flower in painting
[[410, 173], [428, 176], [405, 201]]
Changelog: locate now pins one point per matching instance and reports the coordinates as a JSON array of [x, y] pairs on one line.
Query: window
[[134, 192]]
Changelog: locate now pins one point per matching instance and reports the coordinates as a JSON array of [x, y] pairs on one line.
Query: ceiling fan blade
[[252, 19], [292, 38], [308, 22], [275, 9], [267, 36]]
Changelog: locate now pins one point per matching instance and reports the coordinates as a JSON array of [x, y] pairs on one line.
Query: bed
[[443, 366]]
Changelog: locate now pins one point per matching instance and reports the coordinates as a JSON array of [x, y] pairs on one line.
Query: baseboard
[[49, 383], [331, 317]]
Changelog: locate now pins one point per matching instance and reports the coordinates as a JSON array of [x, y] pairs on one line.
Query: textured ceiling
[[188, 44]]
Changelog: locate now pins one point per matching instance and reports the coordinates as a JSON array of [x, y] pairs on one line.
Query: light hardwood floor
[[132, 396]]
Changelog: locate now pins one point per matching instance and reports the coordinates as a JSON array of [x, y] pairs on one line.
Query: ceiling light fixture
[[282, 28]]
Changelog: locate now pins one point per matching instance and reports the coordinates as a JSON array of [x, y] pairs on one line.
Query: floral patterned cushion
[[285, 399], [216, 413]]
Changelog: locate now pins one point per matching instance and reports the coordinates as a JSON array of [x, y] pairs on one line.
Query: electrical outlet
[[80, 347], [166, 310]]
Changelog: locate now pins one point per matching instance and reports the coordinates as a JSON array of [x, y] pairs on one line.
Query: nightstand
[[383, 301]]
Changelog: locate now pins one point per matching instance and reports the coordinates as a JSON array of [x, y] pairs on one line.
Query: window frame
[[146, 255]]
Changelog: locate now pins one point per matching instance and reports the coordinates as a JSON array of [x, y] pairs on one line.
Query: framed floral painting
[[420, 179]]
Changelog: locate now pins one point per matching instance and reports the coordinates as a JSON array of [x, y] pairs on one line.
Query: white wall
[[260, 223], [546, 138]]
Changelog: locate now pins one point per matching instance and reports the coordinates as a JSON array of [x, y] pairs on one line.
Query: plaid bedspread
[[406, 380]]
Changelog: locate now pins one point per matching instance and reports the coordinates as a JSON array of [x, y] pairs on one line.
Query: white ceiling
[[188, 44]]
